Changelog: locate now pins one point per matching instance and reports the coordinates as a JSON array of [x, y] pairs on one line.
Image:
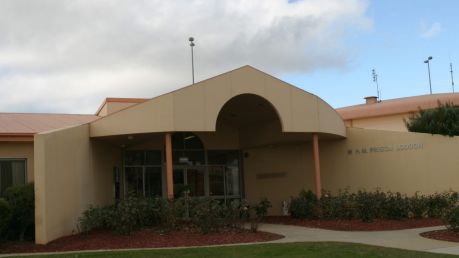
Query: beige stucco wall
[[21, 150], [71, 173], [430, 164], [277, 173], [390, 123], [196, 108]]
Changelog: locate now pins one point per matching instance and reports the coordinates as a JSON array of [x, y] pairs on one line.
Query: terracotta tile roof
[[397, 106], [27, 124]]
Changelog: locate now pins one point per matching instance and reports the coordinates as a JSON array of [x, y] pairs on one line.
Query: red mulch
[[147, 238], [356, 225], [444, 235]]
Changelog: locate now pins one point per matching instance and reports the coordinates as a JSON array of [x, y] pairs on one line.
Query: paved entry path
[[403, 239]]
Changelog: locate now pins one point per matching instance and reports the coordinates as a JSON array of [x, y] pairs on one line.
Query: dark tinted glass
[[153, 182], [153, 158], [134, 158], [186, 141], [222, 157]]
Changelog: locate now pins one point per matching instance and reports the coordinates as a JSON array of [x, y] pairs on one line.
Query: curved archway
[[248, 110]]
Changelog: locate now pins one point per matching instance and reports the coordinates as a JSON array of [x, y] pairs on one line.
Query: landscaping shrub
[[260, 209], [369, 205], [5, 217], [21, 200], [169, 213], [418, 206], [439, 203], [97, 218], [452, 219], [305, 206], [396, 206], [206, 214], [232, 215]]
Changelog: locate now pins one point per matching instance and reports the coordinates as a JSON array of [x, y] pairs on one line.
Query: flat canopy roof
[[196, 107]]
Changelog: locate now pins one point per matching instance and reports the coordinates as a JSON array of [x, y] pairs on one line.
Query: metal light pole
[[452, 78], [191, 39], [428, 69]]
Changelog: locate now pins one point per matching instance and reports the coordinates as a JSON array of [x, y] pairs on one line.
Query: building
[[241, 134]]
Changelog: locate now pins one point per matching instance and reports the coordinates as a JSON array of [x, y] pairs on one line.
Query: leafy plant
[[452, 219], [97, 218], [443, 120], [418, 206], [22, 202], [305, 206], [396, 206], [206, 214], [5, 217]]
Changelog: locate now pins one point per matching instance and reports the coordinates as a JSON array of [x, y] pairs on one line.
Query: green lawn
[[291, 250]]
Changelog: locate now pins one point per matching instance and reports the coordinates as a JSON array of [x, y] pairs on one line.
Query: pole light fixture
[[428, 70], [191, 39]]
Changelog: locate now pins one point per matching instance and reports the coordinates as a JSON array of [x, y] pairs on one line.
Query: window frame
[[3, 159]]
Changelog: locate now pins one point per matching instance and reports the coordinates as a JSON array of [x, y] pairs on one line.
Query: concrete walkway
[[403, 239]]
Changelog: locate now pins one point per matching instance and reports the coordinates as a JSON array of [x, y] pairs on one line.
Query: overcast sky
[[67, 56]]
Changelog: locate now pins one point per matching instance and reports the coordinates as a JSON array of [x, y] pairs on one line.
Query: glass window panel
[[186, 141], [195, 182], [232, 181], [134, 180], [153, 158], [18, 171], [153, 182], [12, 173], [188, 157], [179, 182], [223, 157], [134, 158], [216, 181]]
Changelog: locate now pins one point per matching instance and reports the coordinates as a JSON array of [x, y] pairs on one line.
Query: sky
[[67, 56]]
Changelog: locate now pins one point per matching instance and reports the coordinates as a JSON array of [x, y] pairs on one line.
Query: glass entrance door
[[189, 178]]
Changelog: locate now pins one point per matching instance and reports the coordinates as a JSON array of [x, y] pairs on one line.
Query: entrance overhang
[[196, 107]]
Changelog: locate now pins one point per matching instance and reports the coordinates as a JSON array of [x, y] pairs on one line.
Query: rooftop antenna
[[452, 78], [191, 39], [375, 80]]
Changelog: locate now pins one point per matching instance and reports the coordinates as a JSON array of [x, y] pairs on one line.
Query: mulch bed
[[147, 238], [444, 235], [356, 225]]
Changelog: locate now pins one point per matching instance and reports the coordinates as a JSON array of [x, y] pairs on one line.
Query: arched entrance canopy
[[196, 107]]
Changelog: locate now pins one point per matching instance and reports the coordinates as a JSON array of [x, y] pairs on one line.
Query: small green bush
[[396, 206], [206, 214], [439, 203], [261, 208], [418, 206], [452, 219], [5, 217], [170, 213], [97, 218], [369, 205], [22, 202], [305, 206]]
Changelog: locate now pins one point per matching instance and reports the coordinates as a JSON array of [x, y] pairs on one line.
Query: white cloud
[[66, 56], [429, 31]]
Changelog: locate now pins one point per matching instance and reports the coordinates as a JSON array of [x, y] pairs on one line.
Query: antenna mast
[[375, 80], [452, 78]]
